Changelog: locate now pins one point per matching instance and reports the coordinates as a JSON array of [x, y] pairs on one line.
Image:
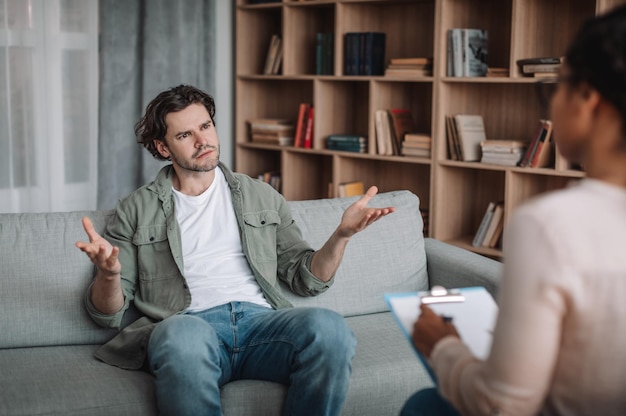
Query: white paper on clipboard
[[474, 318]]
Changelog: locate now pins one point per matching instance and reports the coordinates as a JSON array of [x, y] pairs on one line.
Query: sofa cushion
[[69, 381], [388, 256], [43, 277]]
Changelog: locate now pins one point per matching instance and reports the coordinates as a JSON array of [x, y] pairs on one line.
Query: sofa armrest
[[450, 266]]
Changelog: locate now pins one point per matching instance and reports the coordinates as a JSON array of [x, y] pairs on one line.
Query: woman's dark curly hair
[[152, 125], [597, 56]]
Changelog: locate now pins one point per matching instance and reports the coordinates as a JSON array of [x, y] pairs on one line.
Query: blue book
[[372, 57], [351, 53]]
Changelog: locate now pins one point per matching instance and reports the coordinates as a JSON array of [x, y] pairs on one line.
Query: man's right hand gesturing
[[106, 291]]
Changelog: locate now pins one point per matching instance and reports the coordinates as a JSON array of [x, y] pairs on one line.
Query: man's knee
[[330, 331]]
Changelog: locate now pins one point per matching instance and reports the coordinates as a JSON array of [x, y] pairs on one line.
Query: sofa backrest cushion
[[388, 256], [43, 278]]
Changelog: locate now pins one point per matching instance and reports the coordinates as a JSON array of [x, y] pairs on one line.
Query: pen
[[446, 318]]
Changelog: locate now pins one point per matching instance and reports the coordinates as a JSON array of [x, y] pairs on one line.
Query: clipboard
[[472, 310]]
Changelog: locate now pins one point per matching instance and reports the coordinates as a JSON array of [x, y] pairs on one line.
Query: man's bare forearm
[[327, 259], [106, 293]]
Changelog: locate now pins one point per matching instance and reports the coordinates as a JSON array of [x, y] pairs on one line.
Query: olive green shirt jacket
[[147, 233]]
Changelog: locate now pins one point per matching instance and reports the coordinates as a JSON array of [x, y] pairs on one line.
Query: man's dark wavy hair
[[597, 56], [152, 125]]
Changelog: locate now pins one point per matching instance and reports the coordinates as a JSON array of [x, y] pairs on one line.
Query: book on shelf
[[353, 188], [347, 143], [502, 152], [364, 53], [484, 223], [300, 131], [401, 123], [540, 149], [372, 58], [467, 52], [307, 140], [491, 226], [495, 227], [467, 132], [544, 150], [271, 177], [540, 66], [383, 132], [451, 139], [271, 131], [351, 50], [324, 62], [274, 56]]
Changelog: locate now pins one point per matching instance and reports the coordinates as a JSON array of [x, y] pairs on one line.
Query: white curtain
[[48, 105]]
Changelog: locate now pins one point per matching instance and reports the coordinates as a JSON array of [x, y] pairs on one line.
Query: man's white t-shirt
[[215, 267]]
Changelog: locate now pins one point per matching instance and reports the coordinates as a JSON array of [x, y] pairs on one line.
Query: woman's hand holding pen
[[429, 329]]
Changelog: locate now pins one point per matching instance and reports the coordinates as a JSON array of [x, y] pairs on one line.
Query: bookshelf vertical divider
[[454, 194]]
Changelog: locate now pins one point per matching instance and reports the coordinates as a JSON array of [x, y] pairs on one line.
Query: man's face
[[191, 140]]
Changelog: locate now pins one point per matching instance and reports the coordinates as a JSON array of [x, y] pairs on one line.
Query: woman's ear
[[161, 148]]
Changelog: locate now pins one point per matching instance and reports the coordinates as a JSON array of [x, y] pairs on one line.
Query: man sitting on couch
[[199, 251]]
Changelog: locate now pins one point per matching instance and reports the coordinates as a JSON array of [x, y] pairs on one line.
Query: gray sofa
[[47, 340]]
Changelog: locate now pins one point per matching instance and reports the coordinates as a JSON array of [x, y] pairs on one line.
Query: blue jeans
[[309, 349], [428, 402]]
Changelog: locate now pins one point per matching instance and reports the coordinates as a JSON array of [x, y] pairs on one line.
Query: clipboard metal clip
[[439, 294]]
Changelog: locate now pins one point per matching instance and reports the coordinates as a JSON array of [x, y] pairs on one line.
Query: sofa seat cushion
[[68, 380], [385, 373]]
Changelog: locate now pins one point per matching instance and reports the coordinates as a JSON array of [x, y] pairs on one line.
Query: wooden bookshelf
[[456, 193]]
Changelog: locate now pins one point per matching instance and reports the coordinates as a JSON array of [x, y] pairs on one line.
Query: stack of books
[[502, 152], [347, 143], [540, 150], [271, 131], [410, 67], [540, 67], [415, 144]]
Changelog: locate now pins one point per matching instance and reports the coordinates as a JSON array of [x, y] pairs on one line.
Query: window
[[48, 105]]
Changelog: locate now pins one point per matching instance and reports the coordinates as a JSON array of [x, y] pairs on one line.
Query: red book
[[541, 158], [532, 146], [301, 125], [308, 137]]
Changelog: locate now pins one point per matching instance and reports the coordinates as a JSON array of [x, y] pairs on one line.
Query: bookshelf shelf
[[455, 193]]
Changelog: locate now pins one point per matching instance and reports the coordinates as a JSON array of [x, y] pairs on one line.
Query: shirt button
[[151, 238], [262, 222]]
